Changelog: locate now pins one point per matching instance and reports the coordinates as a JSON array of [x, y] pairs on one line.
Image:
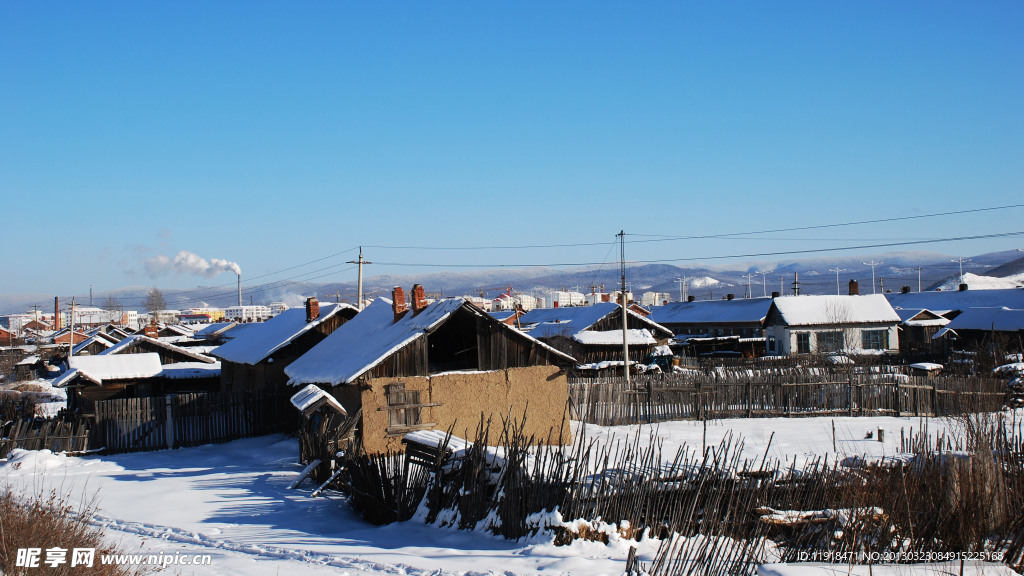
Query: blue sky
[[277, 134]]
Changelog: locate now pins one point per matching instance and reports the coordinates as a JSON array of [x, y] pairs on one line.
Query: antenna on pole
[[873, 264], [749, 293], [359, 295], [682, 281], [625, 310], [961, 261], [764, 281], [837, 270]]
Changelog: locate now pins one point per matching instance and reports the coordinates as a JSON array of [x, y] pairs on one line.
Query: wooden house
[[104, 377], [7, 337], [95, 344], [256, 360], [918, 328], [169, 353], [829, 324], [593, 334], [997, 331], [436, 366]]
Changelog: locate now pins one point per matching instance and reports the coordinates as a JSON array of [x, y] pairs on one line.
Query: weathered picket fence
[[747, 394], [40, 434], [180, 420]]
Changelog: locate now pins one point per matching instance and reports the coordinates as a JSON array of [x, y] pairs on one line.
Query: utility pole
[[749, 293], [918, 278], [837, 270], [764, 281], [625, 306], [71, 346], [873, 264], [961, 261], [359, 304], [682, 282]]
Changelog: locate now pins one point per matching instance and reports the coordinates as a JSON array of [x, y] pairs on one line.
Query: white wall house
[[649, 299], [826, 324], [255, 313], [562, 298]]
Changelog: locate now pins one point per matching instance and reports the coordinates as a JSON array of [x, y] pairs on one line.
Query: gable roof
[[829, 310], [998, 319], [97, 338], [96, 369], [1012, 298], [268, 337], [138, 339], [571, 320], [745, 311], [921, 318], [372, 336]]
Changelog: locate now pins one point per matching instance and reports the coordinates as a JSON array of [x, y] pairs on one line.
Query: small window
[[875, 339], [829, 342], [403, 405], [803, 343]]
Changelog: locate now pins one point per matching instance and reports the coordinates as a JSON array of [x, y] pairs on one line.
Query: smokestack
[[854, 288], [419, 299], [398, 302], [239, 289], [312, 309], [56, 313]]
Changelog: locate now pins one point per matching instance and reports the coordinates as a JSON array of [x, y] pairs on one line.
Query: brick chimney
[[854, 288], [398, 302], [419, 299], [606, 298], [312, 309], [56, 313], [730, 296], [690, 298]]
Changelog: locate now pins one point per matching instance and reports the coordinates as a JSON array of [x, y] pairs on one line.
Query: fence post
[[748, 399], [849, 394], [169, 423]]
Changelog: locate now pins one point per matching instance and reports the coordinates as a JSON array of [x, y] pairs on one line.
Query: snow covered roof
[[268, 337], [957, 300], [97, 338], [998, 319], [638, 337], [739, 311], [571, 320], [921, 318], [96, 369], [311, 397], [189, 370], [372, 336], [827, 310], [137, 339]]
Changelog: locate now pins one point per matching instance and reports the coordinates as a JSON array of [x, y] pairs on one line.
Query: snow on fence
[[180, 420], [723, 393]]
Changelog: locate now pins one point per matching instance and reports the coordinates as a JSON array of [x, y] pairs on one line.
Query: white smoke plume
[[186, 262]]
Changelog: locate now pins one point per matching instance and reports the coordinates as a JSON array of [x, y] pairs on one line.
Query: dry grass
[[49, 521]]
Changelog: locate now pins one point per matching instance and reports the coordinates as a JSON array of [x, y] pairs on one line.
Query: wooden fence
[[180, 420], [750, 394], [39, 434]]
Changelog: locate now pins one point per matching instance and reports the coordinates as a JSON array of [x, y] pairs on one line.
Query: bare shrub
[[49, 521]]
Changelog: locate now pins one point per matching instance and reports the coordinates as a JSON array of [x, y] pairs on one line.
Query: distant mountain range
[[815, 276]]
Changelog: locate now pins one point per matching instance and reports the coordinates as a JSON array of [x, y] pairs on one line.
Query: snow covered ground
[[232, 501]]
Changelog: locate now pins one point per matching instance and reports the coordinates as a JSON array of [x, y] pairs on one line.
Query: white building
[[562, 299], [655, 299], [617, 294], [508, 301], [252, 313], [826, 324], [481, 303], [277, 307]]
